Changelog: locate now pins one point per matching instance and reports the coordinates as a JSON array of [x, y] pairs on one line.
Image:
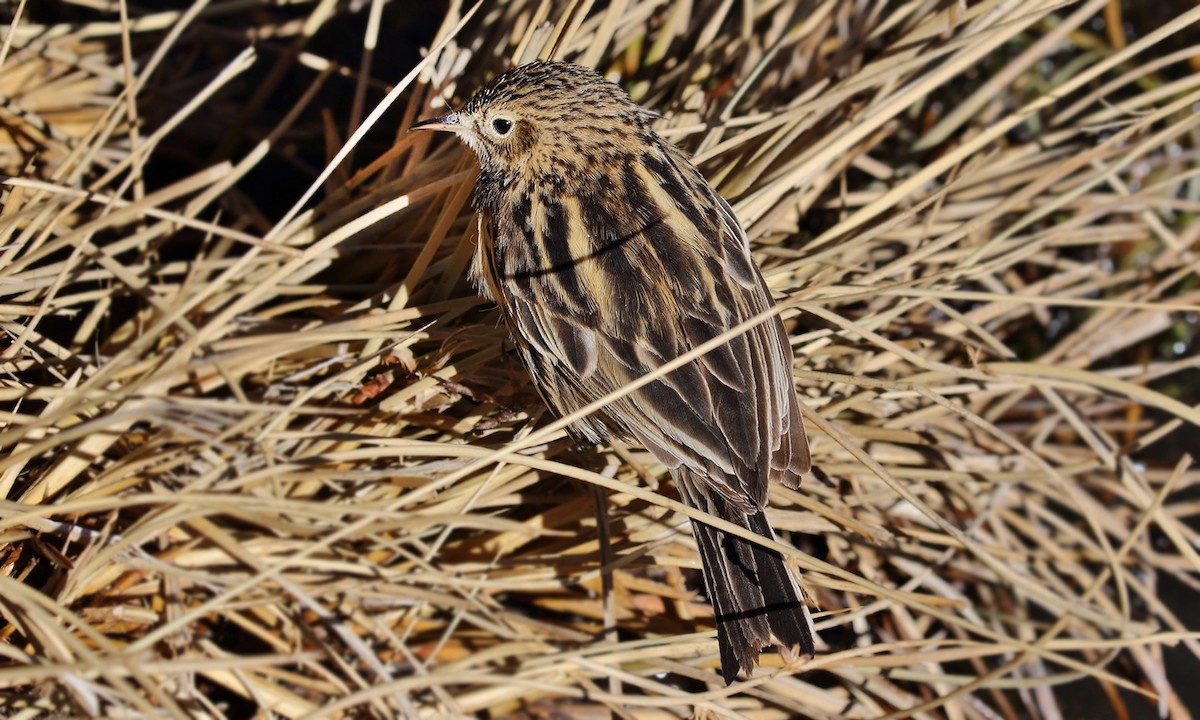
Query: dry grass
[[271, 464]]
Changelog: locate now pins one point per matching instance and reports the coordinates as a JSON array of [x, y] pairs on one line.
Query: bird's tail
[[756, 600]]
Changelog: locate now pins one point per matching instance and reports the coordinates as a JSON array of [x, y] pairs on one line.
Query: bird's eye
[[502, 126]]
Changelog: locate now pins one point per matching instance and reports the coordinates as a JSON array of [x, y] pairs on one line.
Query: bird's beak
[[446, 122]]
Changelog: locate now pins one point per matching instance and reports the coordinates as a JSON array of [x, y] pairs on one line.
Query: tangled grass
[[271, 462]]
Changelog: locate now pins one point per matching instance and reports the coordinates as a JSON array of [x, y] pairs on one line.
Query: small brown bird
[[609, 255]]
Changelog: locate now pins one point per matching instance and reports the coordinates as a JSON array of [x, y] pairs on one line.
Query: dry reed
[[271, 463]]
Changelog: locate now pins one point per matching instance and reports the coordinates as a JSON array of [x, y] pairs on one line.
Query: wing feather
[[666, 276]]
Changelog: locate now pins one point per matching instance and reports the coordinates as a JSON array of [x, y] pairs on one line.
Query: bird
[[608, 254]]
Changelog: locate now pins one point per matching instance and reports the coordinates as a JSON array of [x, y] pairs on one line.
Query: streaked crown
[[546, 118]]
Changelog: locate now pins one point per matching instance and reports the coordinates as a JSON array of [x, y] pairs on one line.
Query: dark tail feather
[[755, 599]]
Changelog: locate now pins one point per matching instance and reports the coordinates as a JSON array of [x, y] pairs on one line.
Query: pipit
[[609, 255]]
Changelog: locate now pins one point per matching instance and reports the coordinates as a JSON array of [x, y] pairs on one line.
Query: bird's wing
[[634, 278]]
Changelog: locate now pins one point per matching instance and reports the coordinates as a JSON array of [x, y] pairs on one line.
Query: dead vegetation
[[260, 462]]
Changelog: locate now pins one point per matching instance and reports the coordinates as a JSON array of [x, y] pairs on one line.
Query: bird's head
[[543, 117]]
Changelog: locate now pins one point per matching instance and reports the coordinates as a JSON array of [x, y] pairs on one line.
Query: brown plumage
[[609, 255]]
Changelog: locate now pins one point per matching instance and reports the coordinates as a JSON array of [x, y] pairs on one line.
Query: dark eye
[[502, 126]]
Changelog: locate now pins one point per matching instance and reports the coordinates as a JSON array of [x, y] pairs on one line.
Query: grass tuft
[[263, 452]]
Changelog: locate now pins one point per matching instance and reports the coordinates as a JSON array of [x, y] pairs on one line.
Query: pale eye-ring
[[502, 126]]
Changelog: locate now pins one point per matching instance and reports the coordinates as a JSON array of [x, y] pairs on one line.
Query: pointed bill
[[449, 123]]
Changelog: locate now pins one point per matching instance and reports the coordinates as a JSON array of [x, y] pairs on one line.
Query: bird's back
[[611, 278]]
